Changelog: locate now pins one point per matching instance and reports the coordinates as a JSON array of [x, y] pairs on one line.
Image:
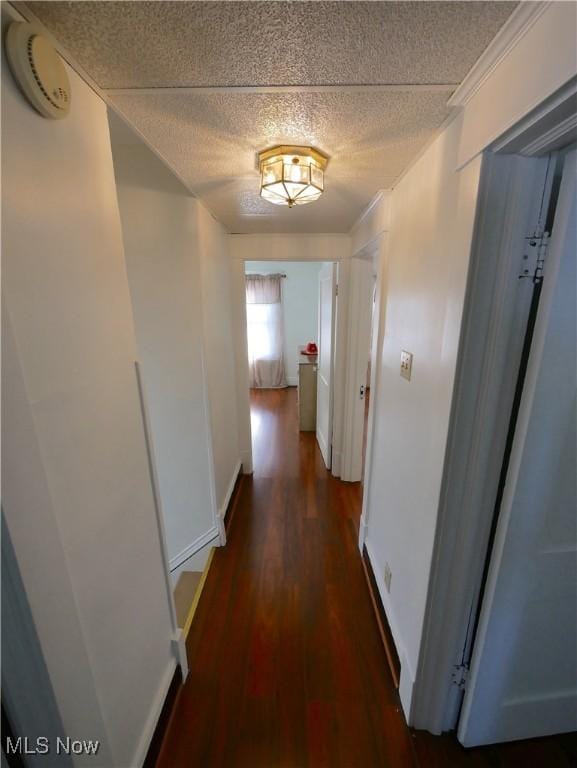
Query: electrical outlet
[[388, 577], [406, 364]]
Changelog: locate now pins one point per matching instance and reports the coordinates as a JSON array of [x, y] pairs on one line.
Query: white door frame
[[241, 349], [360, 319], [326, 442], [494, 321], [376, 249], [238, 295], [524, 525], [491, 339]]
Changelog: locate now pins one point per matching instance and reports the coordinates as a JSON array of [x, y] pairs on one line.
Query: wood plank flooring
[[287, 665]]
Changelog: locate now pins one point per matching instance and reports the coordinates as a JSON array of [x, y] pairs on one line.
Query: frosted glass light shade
[[292, 175]]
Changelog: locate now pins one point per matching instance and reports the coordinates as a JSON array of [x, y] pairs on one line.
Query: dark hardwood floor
[[287, 666]]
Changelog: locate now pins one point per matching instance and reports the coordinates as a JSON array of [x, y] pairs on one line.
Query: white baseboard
[[196, 562], [246, 459], [153, 715], [336, 462], [323, 446], [193, 547], [179, 649], [406, 686], [221, 532], [230, 489], [363, 530], [407, 680]]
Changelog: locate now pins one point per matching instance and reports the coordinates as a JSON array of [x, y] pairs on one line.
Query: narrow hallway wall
[[217, 322], [424, 271], [76, 487], [161, 240], [423, 276]]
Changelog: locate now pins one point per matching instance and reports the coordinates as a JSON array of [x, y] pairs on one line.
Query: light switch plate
[[406, 364]]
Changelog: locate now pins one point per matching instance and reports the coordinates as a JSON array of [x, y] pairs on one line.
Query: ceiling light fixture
[[292, 175]]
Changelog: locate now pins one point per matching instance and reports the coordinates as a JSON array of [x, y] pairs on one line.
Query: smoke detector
[[39, 70]]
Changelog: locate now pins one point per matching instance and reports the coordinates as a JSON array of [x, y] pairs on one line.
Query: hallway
[[287, 663], [157, 154], [287, 666]]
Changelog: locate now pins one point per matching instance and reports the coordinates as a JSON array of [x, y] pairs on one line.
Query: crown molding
[[281, 235], [379, 195], [12, 12], [516, 26], [167, 90]]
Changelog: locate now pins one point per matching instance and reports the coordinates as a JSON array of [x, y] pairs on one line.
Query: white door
[[523, 679], [327, 293]]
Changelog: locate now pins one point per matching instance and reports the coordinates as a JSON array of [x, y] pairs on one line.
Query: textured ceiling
[[210, 137], [213, 138], [140, 44]]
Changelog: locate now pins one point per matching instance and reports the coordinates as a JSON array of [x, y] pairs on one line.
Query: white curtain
[[265, 331]]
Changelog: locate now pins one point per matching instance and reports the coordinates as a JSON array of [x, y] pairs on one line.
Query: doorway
[[291, 310], [524, 658], [494, 679], [371, 355]]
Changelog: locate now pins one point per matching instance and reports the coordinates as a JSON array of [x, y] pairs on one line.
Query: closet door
[[523, 679]]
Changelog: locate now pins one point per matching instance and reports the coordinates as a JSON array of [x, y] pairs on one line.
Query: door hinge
[[534, 255], [336, 289], [459, 675]]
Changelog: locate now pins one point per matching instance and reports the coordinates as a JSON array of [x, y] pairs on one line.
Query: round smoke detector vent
[[38, 70]]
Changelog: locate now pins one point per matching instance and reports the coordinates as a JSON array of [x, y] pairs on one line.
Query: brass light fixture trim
[[292, 175]]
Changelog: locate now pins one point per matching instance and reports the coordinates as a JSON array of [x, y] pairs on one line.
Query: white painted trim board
[[230, 489], [194, 547], [516, 26], [153, 715], [407, 676]]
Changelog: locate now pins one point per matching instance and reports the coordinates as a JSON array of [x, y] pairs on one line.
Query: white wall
[[217, 313], [76, 486], [300, 295], [161, 241], [290, 247], [424, 271], [423, 268], [374, 221]]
